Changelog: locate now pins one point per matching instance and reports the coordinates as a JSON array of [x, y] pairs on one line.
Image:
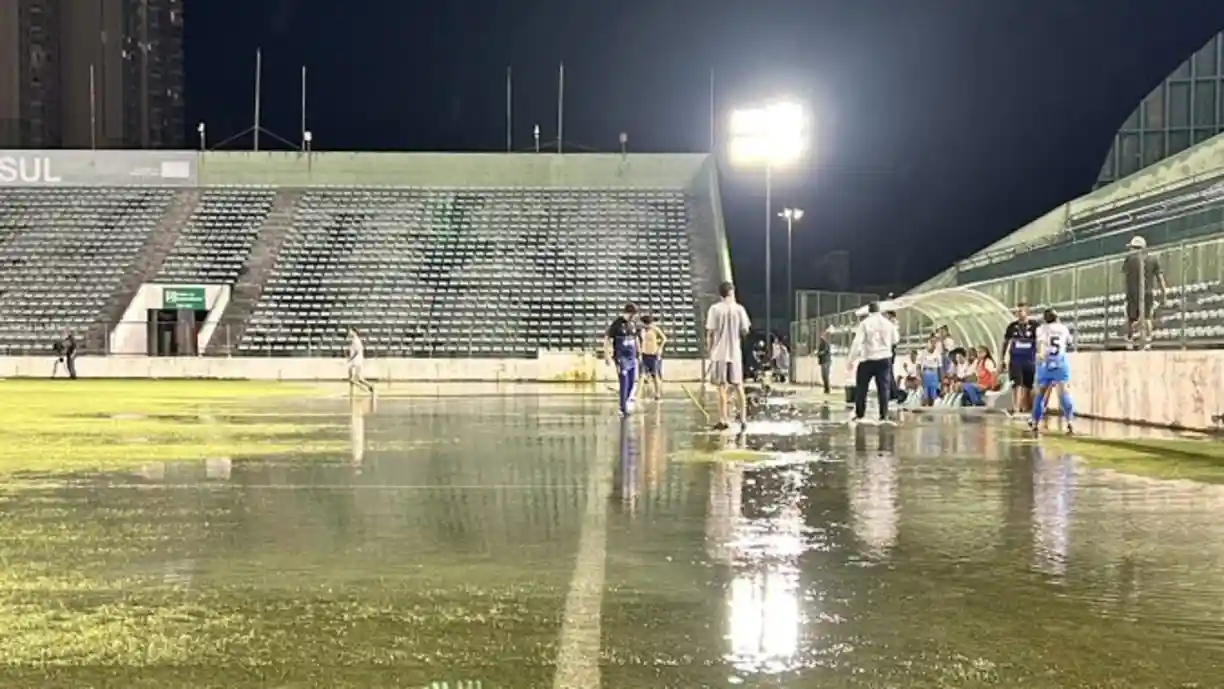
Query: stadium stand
[[64, 255], [217, 237], [462, 272], [1176, 214], [429, 255]]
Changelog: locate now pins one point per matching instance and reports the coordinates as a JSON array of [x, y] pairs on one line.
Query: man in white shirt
[[356, 359], [726, 325], [872, 351]]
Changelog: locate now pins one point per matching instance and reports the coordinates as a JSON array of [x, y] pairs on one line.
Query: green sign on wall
[[191, 298]]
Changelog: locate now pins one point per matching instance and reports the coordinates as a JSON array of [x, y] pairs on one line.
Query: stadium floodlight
[[771, 136], [200, 131], [791, 216]]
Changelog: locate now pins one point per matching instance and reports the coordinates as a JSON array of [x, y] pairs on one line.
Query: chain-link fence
[[812, 305], [1091, 296]]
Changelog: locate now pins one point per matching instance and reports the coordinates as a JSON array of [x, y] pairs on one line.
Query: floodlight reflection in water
[[767, 537]]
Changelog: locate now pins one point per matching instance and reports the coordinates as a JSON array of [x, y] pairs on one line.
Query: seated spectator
[[979, 377], [987, 370], [912, 395], [907, 368], [955, 368], [963, 377]]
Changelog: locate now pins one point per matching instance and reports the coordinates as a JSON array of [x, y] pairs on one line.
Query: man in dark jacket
[[66, 353], [824, 357]]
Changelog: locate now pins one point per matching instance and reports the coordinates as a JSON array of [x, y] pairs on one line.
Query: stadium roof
[[1190, 167], [1181, 111], [973, 318]]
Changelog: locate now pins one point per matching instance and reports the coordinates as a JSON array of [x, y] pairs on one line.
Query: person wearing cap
[[1145, 289]]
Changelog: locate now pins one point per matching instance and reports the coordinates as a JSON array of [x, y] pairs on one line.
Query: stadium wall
[[539, 170], [548, 368], [1179, 390]]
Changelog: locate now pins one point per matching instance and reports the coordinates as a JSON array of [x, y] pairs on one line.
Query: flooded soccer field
[[239, 535]]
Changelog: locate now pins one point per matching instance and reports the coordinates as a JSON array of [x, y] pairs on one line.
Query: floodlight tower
[[791, 216], [770, 136]]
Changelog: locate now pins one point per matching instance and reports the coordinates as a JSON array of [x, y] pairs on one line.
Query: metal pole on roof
[[258, 88], [302, 132], [768, 258], [561, 108], [509, 109], [93, 109]]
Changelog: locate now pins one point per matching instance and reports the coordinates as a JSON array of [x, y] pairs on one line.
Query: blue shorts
[[1053, 375], [930, 383], [652, 365]]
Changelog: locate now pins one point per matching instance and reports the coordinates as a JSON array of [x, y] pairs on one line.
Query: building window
[[1205, 103], [1178, 141], [1154, 109], [1205, 63], [1179, 104]]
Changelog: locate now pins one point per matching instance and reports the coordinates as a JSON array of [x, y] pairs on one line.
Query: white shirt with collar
[[875, 338]]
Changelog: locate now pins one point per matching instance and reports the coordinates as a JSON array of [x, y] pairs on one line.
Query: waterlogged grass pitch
[[63, 426], [1196, 459]]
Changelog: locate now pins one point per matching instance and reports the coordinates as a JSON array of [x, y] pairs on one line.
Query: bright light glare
[[795, 214], [774, 135]]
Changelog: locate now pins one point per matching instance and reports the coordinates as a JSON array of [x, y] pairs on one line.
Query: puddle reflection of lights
[[770, 427], [764, 620], [764, 617], [1053, 488], [873, 503]]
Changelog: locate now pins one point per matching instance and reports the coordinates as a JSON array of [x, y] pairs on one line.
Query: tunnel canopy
[[972, 317]]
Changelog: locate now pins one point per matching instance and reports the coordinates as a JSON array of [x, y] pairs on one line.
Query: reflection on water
[[872, 490], [764, 620], [942, 553], [958, 602], [357, 432], [1053, 486]]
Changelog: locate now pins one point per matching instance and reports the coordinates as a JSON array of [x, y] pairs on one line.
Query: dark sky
[[941, 125]]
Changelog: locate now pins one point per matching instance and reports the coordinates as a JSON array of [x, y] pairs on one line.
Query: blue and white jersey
[[1053, 341]]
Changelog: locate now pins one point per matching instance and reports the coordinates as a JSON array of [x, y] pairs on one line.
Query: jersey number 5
[[1055, 346]]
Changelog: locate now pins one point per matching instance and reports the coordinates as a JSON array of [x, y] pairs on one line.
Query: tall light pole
[[769, 136], [792, 216]]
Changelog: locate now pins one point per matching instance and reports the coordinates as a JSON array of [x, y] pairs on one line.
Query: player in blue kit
[[623, 348], [1053, 339]]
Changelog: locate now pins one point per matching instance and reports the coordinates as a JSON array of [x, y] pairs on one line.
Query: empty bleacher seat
[[218, 236], [475, 272], [63, 253]]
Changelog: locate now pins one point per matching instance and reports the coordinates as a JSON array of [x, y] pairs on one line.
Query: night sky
[[941, 125]]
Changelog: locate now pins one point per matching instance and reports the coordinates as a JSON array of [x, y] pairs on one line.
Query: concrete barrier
[[570, 368], [1174, 389]]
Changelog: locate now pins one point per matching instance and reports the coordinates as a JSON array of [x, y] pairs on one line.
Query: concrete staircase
[[157, 247], [255, 273]]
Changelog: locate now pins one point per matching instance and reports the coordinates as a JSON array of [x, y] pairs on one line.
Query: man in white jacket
[[871, 354]]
